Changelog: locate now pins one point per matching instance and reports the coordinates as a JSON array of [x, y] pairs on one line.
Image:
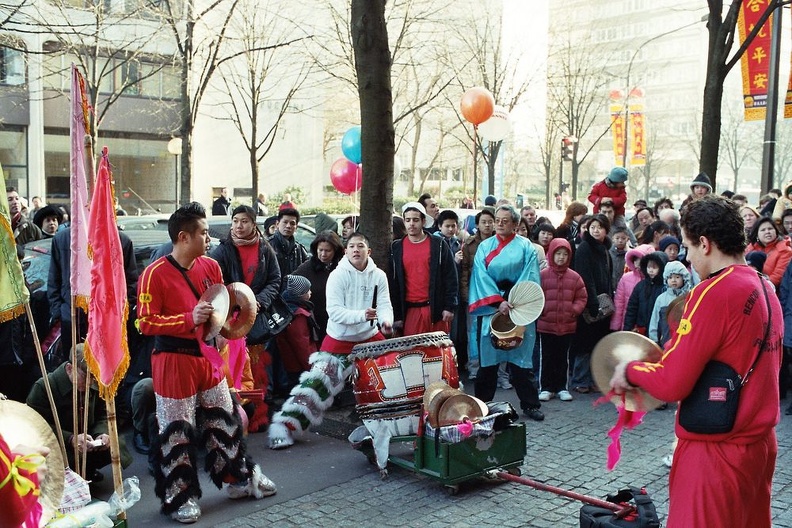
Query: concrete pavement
[[323, 482]]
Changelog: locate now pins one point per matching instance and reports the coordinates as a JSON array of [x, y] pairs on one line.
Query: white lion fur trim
[[278, 430]]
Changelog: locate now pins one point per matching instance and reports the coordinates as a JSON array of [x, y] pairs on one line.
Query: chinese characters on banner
[[635, 130], [755, 62]]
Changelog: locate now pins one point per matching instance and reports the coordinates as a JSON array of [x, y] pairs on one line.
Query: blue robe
[[516, 262]]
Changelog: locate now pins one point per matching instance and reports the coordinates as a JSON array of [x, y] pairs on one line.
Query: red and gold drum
[[397, 371]]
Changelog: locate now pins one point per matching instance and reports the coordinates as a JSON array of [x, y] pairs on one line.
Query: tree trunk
[[373, 63], [713, 97], [185, 113], [492, 158]]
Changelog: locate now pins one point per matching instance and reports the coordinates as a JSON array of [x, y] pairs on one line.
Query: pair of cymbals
[[448, 406], [619, 347], [233, 310]]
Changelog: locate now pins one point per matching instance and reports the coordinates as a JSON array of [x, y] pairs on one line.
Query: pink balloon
[[346, 177]]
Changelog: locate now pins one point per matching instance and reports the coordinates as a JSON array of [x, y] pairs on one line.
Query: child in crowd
[[301, 338], [618, 251], [677, 280], [669, 245], [565, 299], [629, 279], [646, 292], [447, 222]]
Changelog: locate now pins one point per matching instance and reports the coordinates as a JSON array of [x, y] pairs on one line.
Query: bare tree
[[549, 151], [737, 141], [783, 159], [576, 96], [260, 81], [653, 163], [373, 64]]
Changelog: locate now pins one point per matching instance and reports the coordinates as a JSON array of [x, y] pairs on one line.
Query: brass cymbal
[[217, 296], [436, 403], [616, 348], [241, 313], [675, 310], [459, 407], [432, 390], [19, 424]]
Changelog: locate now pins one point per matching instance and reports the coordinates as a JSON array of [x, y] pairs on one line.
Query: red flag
[[106, 349]]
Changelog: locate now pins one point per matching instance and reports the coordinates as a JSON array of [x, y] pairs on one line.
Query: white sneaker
[[257, 486], [564, 395], [504, 384], [545, 396], [188, 513], [668, 460]]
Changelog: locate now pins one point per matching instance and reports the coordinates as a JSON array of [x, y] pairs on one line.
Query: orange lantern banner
[[755, 62], [617, 128], [637, 135]]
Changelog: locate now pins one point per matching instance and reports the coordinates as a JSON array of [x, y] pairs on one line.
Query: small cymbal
[[217, 296], [436, 403], [241, 313], [22, 425], [460, 407], [616, 348]]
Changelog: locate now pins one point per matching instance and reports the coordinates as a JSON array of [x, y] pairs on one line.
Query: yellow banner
[[617, 127]]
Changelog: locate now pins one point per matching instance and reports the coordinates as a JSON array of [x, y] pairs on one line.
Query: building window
[[12, 67], [129, 81]]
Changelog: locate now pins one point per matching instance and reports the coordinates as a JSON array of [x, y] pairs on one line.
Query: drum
[[399, 370]]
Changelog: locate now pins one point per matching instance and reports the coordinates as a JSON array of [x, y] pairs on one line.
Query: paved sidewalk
[[566, 450]]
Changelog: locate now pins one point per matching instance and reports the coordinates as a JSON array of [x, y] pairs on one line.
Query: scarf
[[251, 239]]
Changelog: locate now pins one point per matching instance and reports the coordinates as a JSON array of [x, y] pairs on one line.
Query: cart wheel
[[517, 472], [452, 489]]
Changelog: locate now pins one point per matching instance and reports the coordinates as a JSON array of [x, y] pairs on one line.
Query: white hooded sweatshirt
[[349, 292]]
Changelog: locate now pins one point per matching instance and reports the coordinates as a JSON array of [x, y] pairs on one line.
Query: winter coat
[[593, 264], [785, 296], [779, 253], [659, 331], [318, 272], [601, 190], [468, 252], [290, 254], [266, 279], [646, 292], [349, 292], [443, 279], [618, 259], [627, 283], [565, 294]]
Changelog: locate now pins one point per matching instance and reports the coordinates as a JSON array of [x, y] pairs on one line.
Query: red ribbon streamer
[[626, 419]]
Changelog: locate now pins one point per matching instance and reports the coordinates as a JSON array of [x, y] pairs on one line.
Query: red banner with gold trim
[[637, 135], [617, 128], [755, 62]]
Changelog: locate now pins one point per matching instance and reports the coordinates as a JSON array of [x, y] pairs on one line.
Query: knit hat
[[414, 206], [667, 241], [297, 285], [490, 200], [46, 212], [618, 175], [703, 180], [756, 260]]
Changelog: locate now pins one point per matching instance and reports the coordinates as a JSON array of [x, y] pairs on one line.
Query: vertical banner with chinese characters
[[755, 62], [637, 135], [617, 128]]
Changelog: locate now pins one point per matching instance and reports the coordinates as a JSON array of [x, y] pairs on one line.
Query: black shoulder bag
[[711, 408]]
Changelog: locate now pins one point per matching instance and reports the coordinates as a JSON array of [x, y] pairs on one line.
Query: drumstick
[[374, 302]]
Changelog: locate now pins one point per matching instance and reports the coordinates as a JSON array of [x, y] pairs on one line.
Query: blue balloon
[[350, 145]]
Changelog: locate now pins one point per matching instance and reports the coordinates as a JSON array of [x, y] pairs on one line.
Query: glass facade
[[14, 158]]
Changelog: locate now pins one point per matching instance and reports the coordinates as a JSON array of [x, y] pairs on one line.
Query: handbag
[[270, 322], [711, 407], [606, 309]]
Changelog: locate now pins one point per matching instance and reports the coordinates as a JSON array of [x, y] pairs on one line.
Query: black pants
[[521, 378], [555, 362]]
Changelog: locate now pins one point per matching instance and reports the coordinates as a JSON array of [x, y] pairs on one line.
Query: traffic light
[[568, 148]]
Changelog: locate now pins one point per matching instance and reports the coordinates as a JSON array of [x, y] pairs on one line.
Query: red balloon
[[346, 177], [477, 105]]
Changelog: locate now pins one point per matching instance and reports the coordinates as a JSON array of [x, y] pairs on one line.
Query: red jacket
[[779, 253], [601, 190], [565, 294]]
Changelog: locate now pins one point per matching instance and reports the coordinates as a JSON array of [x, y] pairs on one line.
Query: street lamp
[[175, 148]]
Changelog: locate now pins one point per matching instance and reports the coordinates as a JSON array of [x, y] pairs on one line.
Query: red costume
[[193, 400], [722, 479], [602, 190]]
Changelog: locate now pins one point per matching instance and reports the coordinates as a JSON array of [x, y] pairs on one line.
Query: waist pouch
[[711, 408]]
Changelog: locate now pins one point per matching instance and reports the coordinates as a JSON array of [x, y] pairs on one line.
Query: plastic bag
[[131, 494], [96, 514]]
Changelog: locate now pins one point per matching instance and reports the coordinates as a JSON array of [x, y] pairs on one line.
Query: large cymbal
[[19, 424], [460, 407], [241, 313], [616, 348], [217, 296]]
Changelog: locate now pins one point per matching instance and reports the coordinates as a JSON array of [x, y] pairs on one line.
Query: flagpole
[[47, 388], [115, 452], [86, 408], [75, 389]]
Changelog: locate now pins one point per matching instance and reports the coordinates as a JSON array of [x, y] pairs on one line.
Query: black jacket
[[443, 279], [643, 297], [593, 263], [290, 254], [267, 278]]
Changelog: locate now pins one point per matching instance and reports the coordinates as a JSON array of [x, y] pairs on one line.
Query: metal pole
[[176, 181], [771, 113]]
